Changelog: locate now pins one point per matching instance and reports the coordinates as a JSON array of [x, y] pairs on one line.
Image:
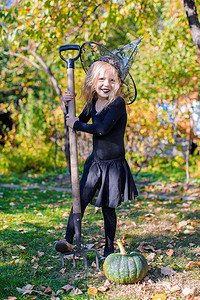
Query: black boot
[[110, 222], [63, 246]]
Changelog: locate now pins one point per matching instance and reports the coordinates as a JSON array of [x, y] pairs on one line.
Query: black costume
[[106, 169]]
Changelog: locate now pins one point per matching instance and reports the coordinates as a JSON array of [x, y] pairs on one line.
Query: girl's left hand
[[70, 120]]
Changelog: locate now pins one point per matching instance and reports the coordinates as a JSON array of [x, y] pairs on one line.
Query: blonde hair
[[89, 92]]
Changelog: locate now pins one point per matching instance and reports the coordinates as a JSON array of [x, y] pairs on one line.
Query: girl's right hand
[[67, 97]]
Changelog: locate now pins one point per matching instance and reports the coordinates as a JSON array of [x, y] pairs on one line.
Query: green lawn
[[163, 223]]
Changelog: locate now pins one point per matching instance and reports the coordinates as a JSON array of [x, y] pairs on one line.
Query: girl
[[106, 170]]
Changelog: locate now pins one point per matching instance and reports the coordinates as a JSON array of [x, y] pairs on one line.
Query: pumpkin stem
[[121, 247]]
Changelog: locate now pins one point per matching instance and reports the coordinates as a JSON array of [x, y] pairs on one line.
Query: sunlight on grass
[[163, 223]]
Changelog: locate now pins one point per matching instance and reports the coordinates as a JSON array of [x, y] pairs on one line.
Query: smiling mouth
[[105, 91]]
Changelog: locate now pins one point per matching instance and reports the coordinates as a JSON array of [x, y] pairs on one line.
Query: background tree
[[193, 20], [165, 68]]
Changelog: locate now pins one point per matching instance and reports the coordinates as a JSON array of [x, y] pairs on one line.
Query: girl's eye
[[101, 78], [112, 80]]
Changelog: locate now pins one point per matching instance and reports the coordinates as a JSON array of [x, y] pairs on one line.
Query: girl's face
[[105, 82]]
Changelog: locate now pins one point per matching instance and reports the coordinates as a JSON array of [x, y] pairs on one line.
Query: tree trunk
[[193, 21], [54, 126], [187, 155]]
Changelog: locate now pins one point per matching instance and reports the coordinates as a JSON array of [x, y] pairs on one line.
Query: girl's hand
[[67, 97], [71, 120]]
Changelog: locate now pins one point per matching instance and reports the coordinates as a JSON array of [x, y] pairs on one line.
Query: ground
[[163, 224]]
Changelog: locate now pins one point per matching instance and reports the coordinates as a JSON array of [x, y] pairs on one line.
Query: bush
[[29, 156]]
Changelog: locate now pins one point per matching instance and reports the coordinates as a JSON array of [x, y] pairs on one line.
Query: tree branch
[[13, 70], [17, 87], [44, 68], [24, 58]]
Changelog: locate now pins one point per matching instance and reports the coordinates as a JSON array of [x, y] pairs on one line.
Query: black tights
[[110, 221]]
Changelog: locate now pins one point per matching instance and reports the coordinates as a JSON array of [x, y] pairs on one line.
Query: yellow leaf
[[92, 291], [159, 297], [170, 252], [192, 264], [145, 254]]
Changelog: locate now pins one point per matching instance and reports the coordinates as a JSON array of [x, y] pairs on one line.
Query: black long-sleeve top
[[108, 128]]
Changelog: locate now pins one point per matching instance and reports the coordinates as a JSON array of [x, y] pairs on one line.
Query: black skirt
[[112, 179]]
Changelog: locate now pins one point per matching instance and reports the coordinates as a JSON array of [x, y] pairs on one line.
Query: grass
[[163, 223]]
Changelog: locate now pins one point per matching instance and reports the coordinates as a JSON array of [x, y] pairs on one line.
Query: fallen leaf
[[66, 214], [189, 291], [93, 265], [92, 291], [107, 282], [35, 259], [51, 231], [103, 288], [12, 298], [35, 266], [192, 264], [151, 256], [175, 288], [48, 290], [62, 271], [134, 224], [170, 252], [21, 230], [20, 290], [90, 246], [70, 256], [27, 289], [125, 236], [49, 268], [21, 247], [67, 288], [40, 254], [59, 292], [183, 223], [167, 271], [159, 297], [75, 292], [143, 247], [24, 244], [59, 226]]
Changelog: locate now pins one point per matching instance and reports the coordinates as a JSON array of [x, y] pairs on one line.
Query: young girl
[[106, 170]]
